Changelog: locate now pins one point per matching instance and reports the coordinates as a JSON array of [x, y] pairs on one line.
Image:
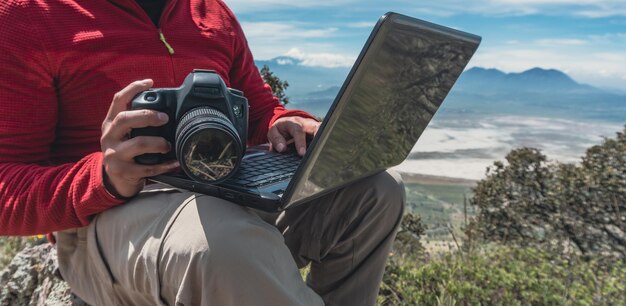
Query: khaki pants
[[173, 247]]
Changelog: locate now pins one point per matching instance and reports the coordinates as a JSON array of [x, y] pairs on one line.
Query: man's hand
[[292, 129], [122, 176]]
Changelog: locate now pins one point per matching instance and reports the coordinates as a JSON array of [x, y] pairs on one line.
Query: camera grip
[[148, 158], [154, 100]]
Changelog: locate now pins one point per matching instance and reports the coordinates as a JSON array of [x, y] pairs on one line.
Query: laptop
[[402, 75]]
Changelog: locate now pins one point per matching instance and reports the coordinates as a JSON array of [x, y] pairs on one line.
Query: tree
[[407, 243], [575, 209], [278, 86]]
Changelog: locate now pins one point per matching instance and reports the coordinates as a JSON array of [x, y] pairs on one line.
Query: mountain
[[535, 92], [533, 80], [479, 92]]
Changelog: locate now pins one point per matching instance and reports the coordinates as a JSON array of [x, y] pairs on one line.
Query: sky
[[583, 38]]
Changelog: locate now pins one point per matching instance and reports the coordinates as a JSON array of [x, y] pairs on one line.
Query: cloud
[[270, 39], [283, 31], [363, 24], [447, 8], [609, 38], [247, 6], [562, 42], [581, 8], [327, 60]]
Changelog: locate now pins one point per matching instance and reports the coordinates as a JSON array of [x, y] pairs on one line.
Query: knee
[[218, 235], [387, 190], [215, 233], [215, 248]]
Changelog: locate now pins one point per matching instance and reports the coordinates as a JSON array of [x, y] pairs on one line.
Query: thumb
[[124, 96]]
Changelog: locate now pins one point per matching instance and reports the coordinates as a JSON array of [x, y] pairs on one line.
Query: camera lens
[[207, 145]]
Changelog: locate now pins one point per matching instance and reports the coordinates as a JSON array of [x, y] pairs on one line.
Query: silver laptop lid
[[404, 72]]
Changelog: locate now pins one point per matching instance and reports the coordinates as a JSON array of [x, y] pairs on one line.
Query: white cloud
[[583, 8], [562, 42], [446, 8], [270, 39], [283, 31], [600, 13], [363, 24], [245, 6], [610, 38], [284, 61], [546, 2], [327, 60]]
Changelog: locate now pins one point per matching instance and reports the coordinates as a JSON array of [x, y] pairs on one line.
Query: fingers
[[279, 133], [292, 129], [313, 128], [124, 96], [299, 136], [126, 179], [122, 175], [119, 121], [277, 140], [130, 172], [136, 146], [127, 120]]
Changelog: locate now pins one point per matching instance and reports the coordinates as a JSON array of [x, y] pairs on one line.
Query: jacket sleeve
[[35, 197], [265, 108]]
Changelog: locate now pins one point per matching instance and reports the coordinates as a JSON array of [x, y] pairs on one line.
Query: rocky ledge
[[33, 279]]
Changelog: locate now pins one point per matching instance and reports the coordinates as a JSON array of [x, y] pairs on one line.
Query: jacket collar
[[134, 8], [131, 3]]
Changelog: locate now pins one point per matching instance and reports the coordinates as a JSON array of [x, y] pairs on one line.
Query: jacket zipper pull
[[167, 45]]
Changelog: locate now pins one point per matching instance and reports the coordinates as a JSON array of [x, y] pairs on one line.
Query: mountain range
[[478, 92]]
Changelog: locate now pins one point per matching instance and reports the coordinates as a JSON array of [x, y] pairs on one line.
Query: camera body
[[203, 94]]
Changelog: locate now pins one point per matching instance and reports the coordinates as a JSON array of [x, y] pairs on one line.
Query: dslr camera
[[207, 126]]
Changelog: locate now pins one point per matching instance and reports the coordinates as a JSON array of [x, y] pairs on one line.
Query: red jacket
[[61, 62]]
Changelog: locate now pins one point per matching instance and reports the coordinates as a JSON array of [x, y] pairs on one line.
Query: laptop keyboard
[[264, 169]]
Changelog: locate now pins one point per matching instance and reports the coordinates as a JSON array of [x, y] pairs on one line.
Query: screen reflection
[[398, 86]]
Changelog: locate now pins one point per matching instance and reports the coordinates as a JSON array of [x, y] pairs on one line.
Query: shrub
[[499, 275]]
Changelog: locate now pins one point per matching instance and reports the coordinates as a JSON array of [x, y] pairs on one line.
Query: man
[[66, 165]]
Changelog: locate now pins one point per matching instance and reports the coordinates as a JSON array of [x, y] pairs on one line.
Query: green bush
[[9, 246], [498, 275]]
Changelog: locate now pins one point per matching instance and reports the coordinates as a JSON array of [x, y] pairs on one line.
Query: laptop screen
[[399, 81]]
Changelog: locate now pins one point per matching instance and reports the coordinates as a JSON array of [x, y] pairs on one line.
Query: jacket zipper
[[170, 50], [167, 45], [166, 10]]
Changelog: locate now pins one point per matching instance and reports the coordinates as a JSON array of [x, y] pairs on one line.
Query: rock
[[33, 279]]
